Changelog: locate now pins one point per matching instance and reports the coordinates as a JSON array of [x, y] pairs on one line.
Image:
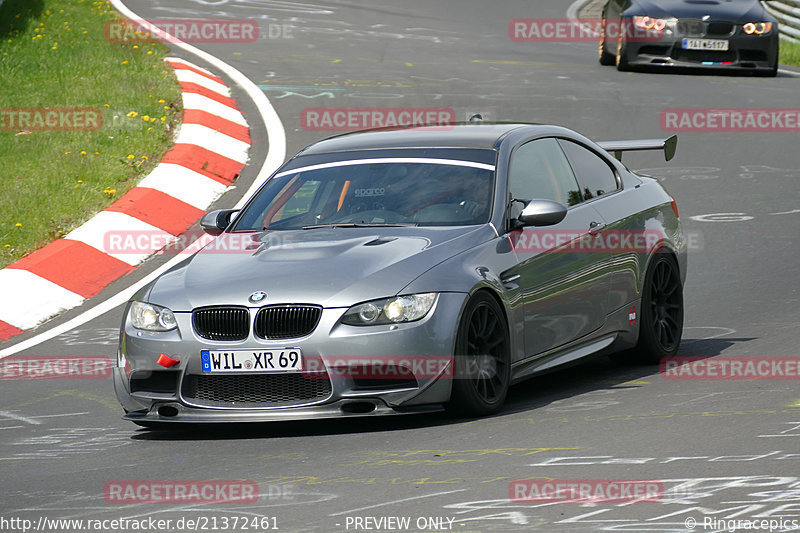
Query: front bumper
[[745, 52], [151, 393]]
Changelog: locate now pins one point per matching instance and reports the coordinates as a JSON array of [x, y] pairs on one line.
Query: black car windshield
[[374, 192]]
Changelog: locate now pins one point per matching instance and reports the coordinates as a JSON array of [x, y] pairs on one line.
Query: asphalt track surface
[[721, 449]]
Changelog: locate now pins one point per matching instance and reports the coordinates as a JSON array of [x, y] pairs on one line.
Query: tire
[[482, 359], [604, 57], [661, 314], [621, 58]]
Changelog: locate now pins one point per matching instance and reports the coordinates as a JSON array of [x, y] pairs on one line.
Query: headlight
[[649, 23], [759, 28], [152, 317], [390, 310]]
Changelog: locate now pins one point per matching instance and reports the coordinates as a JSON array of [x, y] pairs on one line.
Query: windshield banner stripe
[[454, 162]]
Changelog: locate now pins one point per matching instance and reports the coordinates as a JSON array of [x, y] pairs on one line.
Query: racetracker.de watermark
[[379, 367], [730, 368], [136, 242], [181, 30], [180, 492], [365, 118], [50, 118], [538, 240], [69, 367], [730, 120], [558, 30], [585, 490]]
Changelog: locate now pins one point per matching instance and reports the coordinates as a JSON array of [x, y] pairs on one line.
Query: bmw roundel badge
[[257, 296]]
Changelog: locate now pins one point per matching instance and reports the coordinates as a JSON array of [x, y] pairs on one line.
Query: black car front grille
[[719, 29], [221, 323], [286, 321], [256, 390], [697, 28], [691, 28]]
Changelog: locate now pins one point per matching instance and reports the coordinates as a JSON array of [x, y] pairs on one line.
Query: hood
[[719, 10], [332, 267]]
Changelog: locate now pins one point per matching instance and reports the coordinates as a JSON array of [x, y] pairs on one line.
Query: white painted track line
[[187, 76], [204, 103], [35, 298], [213, 141], [184, 184], [103, 229]]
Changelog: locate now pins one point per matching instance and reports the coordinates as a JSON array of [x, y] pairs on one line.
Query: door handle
[[594, 226]]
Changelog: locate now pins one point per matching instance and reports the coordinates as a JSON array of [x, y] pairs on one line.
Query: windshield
[[374, 192]]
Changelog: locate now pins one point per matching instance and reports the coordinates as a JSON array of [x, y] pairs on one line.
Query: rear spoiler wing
[[669, 146]]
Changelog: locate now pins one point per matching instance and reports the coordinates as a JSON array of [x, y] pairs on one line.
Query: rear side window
[[595, 176]]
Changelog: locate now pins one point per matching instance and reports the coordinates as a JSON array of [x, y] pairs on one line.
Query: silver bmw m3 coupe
[[408, 271]]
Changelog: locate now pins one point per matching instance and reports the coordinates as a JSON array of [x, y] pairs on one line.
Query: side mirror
[[215, 222], [542, 213]]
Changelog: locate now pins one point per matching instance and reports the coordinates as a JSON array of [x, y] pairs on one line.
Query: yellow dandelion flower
[[67, 153], [149, 52], [131, 156], [18, 224], [166, 107], [97, 153], [83, 152], [135, 46], [145, 117], [161, 101], [80, 181], [145, 157], [106, 105], [164, 119], [8, 246], [148, 129], [133, 114]]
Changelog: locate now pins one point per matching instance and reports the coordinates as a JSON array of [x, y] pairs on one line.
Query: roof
[[483, 136]]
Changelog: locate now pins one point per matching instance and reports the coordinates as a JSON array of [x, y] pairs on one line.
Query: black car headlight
[[151, 317], [757, 28], [393, 310]]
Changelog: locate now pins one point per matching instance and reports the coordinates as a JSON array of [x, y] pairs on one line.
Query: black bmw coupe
[[734, 35]]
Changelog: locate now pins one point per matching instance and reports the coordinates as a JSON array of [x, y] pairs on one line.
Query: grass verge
[[789, 53], [54, 54]]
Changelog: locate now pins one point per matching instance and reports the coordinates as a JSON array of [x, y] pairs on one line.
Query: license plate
[[705, 44], [257, 361]]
